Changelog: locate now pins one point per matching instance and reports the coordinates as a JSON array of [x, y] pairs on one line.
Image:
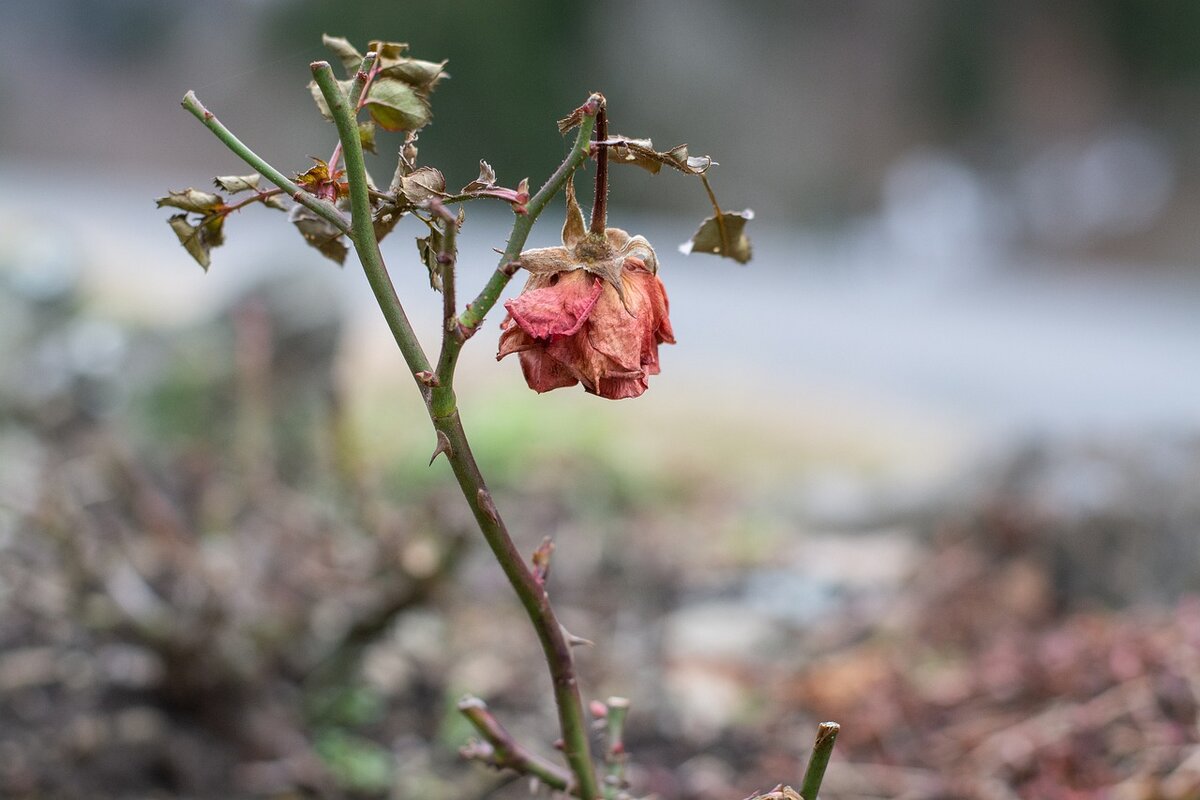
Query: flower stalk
[[445, 418]]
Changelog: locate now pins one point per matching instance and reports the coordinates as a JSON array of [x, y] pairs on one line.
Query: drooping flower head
[[593, 312]]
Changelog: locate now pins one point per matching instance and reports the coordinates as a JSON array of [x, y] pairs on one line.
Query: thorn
[[487, 506], [511, 268], [558, 745], [541, 560], [576, 641], [443, 446]]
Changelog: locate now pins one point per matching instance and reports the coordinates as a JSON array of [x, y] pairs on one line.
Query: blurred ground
[[228, 572]]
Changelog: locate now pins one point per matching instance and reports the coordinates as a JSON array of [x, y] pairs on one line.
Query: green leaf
[[428, 249], [319, 99], [422, 185], [191, 200], [397, 106], [350, 57], [722, 236], [319, 233], [238, 183], [199, 238], [366, 135]]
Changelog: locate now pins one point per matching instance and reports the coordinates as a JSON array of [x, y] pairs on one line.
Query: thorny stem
[[822, 748], [446, 259], [478, 308], [321, 208], [531, 593], [504, 752], [600, 204]]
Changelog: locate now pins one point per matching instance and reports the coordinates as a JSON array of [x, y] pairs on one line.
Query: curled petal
[[543, 373], [559, 309]]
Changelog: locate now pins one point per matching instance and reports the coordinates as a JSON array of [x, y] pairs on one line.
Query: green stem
[[822, 748], [615, 755], [478, 308], [321, 208], [362, 230], [443, 401], [530, 592]]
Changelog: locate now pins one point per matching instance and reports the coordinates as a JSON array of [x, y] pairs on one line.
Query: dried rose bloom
[[593, 312]]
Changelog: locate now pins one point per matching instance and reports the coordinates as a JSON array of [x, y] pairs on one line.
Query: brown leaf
[[199, 238], [722, 236], [486, 179], [428, 249], [422, 185], [641, 152], [191, 200], [319, 233], [238, 183], [349, 56]]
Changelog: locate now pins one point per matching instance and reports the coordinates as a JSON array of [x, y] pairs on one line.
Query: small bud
[[598, 709]]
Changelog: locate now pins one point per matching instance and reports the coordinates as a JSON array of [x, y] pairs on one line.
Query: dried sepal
[[485, 186], [575, 118], [723, 235], [238, 183], [319, 233]]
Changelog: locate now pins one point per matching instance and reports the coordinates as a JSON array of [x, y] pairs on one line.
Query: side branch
[[478, 308], [321, 208], [501, 751]]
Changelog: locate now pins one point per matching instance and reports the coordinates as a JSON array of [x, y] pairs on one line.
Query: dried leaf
[[349, 56], [385, 219], [366, 135], [275, 201], [424, 76], [191, 200], [422, 185], [199, 238], [238, 183], [428, 249], [486, 179], [397, 106], [723, 236], [641, 152], [316, 180], [406, 162], [389, 53], [319, 233], [319, 99]]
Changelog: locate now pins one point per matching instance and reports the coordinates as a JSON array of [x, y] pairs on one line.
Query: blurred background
[[928, 465]]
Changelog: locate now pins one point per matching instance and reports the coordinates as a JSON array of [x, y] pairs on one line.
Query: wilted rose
[[593, 312]]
